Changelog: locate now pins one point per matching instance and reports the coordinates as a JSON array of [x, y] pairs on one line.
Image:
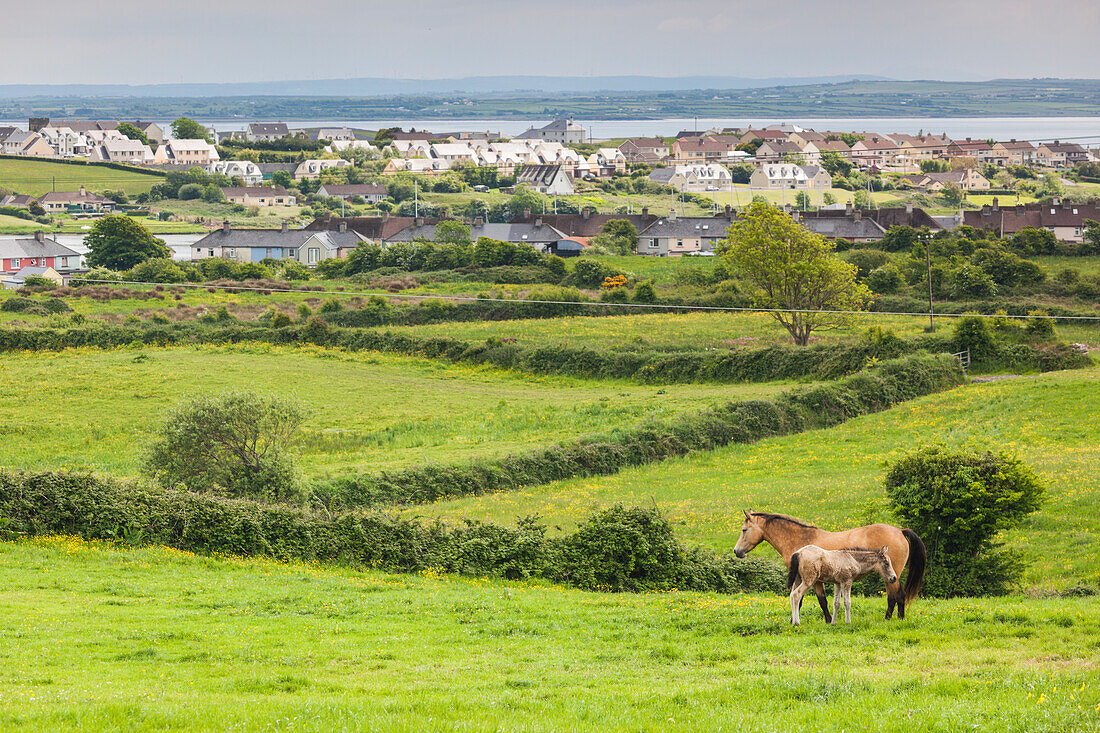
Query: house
[[547, 179], [18, 280], [372, 193], [375, 229], [1066, 220], [313, 168], [772, 176], [27, 143], [254, 245], [123, 150], [610, 161], [1013, 152], [693, 178], [452, 153], [153, 131], [587, 223], [833, 146], [34, 124], [1060, 155], [37, 251], [266, 131], [65, 142], [702, 149], [248, 172], [853, 227], [186, 152], [17, 201], [874, 151], [76, 201], [968, 179], [259, 196], [536, 232], [334, 134], [781, 152], [558, 131], [818, 177], [674, 236], [644, 149], [980, 150], [429, 166]]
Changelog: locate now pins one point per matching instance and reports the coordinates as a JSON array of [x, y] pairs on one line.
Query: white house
[[246, 170], [693, 178]]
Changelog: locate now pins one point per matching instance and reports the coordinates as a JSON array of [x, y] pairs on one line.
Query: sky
[[129, 42]]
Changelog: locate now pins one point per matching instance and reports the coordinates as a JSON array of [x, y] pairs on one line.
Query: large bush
[[236, 442], [958, 502]]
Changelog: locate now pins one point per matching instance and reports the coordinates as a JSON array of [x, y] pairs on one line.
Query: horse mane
[[782, 518]]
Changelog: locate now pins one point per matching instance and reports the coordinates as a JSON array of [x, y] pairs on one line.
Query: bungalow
[[547, 179], [18, 280], [371, 192], [674, 236], [80, 201], [17, 200], [644, 149], [259, 196], [254, 245], [37, 251], [536, 233]]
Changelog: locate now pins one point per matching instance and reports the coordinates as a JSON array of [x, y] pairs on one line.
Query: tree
[[212, 194], [952, 194], [835, 163], [957, 503], [802, 201], [452, 232], [934, 166], [236, 442], [187, 129], [133, 132], [282, 178], [618, 236], [119, 243], [793, 270]]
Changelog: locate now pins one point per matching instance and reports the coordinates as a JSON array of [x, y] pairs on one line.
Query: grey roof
[[707, 227], [331, 239], [542, 175], [524, 233], [844, 228], [355, 189], [30, 272], [255, 191], [32, 247], [268, 128], [662, 175]]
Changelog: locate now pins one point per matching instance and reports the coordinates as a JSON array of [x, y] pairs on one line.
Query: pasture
[[834, 477], [36, 177], [98, 636], [370, 411]]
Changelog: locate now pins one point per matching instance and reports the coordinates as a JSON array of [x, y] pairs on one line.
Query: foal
[[811, 564]]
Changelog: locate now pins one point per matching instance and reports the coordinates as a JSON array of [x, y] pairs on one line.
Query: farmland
[[368, 410], [36, 177], [98, 636]]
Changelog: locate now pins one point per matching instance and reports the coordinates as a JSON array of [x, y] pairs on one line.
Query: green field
[[36, 177], [370, 411], [97, 637], [834, 477]]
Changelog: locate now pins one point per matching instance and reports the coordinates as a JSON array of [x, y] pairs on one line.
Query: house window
[[231, 252], [15, 263], [313, 255]]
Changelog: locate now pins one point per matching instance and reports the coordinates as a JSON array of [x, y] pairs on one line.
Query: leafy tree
[[189, 191], [187, 129], [835, 163], [886, 279], [1090, 240], [1006, 268], [282, 178], [849, 138], [133, 132], [36, 208], [952, 194], [957, 503], [618, 236], [739, 173], [1051, 185], [120, 242], [751, 146], [971, 281], [452, 232], [802, 200], [212, 194], [900, 238], [525, 199], [236, 442], [1033, 241], [934, 166], [861, 199], [828, 198], [157, 270], [794, 270], [866, 260]]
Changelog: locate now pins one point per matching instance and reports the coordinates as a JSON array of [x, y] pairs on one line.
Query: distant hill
[[365, 87]]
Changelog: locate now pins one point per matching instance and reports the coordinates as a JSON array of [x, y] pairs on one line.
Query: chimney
[[83, 191], [909, 208], [538, 221], [526, 213], [848, 207], [342, 226], [40, 236], [645, 211], [672, 214], [419, 221], [225, 225], [286, 226], [996, 204], [1057, 200], [479, 221], [385, 216], [586, 212]]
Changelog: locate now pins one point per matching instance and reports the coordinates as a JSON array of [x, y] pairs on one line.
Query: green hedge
[[620, 549], [735, 422]]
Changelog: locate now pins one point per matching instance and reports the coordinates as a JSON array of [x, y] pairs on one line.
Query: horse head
[[752, 534], [888, 573]]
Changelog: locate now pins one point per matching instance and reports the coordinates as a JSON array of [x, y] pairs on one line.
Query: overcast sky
[[126, 41]]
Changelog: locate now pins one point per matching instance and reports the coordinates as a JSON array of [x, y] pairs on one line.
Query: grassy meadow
[[106, 637], [370, 411], [36, 177], [834, 478]]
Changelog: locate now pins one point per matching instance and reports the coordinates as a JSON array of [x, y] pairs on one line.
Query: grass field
[[370, 411], [36, 177], [834, 477], [109, 638]]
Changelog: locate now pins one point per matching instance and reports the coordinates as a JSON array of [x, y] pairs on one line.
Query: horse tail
[[918, 561], [793, 572]]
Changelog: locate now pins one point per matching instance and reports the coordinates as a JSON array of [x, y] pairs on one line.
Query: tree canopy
[[793, 270], [119, 242], [188, 129], [133, 132]]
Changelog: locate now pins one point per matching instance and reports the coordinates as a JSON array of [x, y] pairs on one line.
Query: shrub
[[33, 306], [957, 503], [971, 281], [304, 311], [294, 270], [189, 191], [867, 260], [1039, 326], [157, 270], [886, 279], [644, 292], [332, 305], [972, 333], [236, 442]]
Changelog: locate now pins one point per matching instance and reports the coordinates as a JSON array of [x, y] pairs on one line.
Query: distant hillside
[[365, 87]]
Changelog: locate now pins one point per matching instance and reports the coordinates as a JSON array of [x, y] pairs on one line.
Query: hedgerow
[[625, 549], [735, 422]]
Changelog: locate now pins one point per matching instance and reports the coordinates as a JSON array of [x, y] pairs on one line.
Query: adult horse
[[787, 535]]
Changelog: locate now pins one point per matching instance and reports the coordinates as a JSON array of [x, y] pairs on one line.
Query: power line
[[655, 306]]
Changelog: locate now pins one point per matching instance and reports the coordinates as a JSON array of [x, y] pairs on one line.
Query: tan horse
[[812, 565], [787, 535]]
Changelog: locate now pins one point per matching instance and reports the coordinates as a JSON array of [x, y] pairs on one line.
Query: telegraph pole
[[926, 237]]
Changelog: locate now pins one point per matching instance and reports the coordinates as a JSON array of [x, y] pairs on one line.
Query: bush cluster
[[620, 548]]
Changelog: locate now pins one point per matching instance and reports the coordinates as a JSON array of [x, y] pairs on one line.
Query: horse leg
[[848, 602], [823, 601], [836, 601], [901, 604], [894, 592], [796, 602]]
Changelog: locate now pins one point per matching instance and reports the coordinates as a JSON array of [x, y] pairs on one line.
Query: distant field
[[36, 177], [834, 477], [103, 637], [370, 411]]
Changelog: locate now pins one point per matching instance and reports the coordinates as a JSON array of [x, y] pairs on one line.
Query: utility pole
[[926, 237], [416, 200]]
